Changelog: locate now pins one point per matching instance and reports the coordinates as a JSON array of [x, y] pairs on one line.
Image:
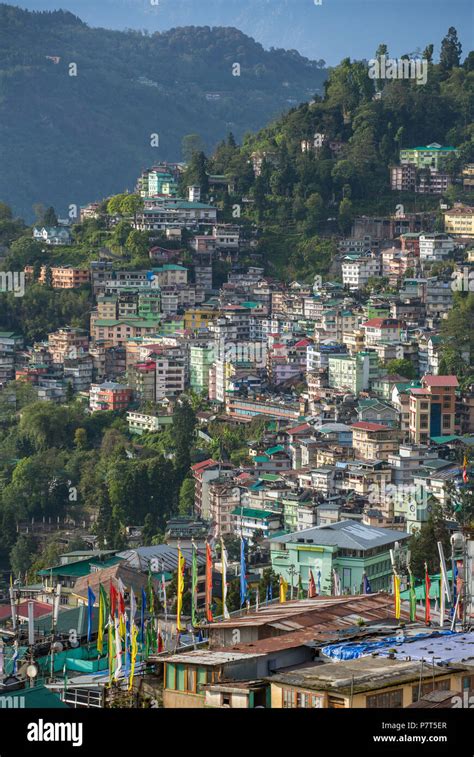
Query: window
[[170, 676], [288, 698], [392, 699], [190, 679]]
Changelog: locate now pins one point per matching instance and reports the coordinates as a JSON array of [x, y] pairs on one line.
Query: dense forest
[[79, 106]]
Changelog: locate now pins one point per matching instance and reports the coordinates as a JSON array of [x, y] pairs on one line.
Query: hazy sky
[[332, 30]]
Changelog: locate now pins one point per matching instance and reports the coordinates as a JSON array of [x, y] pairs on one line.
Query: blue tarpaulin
[[352, 650]]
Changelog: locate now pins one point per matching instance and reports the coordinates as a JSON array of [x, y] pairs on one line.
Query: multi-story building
[[171, 369], [224, 497], [356, 271], [141, 423], [62, 277], [116, 333], [203, 473], [381, 331], [52, 235], [459, 221], [433, 408], [435, 247], [10, 343], [201, 358], [109, 396], [374, 441], [403, 178], [67, 343], [247, 408], [346, 548], [430, 156], [352, 372], [79, 372], [170, 275], [161, 213], [141, 378]]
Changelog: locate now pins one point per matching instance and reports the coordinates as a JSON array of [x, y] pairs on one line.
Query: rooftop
[[346, 535]]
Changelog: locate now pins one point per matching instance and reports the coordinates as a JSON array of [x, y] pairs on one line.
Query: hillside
[[314, 30], [65, 132], [303, 193]]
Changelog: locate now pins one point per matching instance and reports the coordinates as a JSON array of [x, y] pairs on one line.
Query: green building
[[429, 156], [347, 548], [149, 305], [353, 372], [201, 358]]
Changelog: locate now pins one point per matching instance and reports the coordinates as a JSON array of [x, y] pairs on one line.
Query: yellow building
[[459, 221], [367, 682], [198, 318]]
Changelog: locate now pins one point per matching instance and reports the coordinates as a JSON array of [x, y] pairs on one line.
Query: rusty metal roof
[[323, 612]]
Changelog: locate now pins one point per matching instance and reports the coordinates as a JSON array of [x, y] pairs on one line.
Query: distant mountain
[[331, 30], [66, 139]]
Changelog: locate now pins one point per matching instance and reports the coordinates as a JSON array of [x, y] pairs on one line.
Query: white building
[[356, 271], [435, 247]]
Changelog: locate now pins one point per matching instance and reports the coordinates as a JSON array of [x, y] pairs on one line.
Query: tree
[[22, 554], [402, 367], [80, 439], [184, 424], [190, 144], [345, 216], [461, 503], [186, 497], [149, 529], [428, 53], [315, 213], [49, 218], [423, 545], [451, 49]]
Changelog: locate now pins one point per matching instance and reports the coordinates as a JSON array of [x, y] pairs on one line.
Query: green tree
[[191, 144], [451, 49], [186, 497], [423, 544], [402, 367], [22, 554], [345, 216], [49, 218]]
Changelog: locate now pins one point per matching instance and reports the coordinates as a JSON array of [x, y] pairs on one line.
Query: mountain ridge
[[67, 130]]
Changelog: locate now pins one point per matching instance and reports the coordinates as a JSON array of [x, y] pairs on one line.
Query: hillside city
[[237, 420]]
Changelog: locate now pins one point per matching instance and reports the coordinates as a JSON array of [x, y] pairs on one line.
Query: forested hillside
[[304, 192], [77, 136]]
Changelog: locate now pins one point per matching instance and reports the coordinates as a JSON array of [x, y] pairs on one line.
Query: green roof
[[445, 439], [274, 450], [261, 459], [269, 477], [429, 149], [248, 512], [79, 568], [38, 698]]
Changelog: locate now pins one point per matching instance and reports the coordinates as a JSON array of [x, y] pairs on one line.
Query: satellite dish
[[57, 647], [32, 671]]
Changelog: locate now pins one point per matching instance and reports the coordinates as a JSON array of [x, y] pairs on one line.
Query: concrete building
[[374, 441], [346, 549], [433, 408], [109, 396]]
